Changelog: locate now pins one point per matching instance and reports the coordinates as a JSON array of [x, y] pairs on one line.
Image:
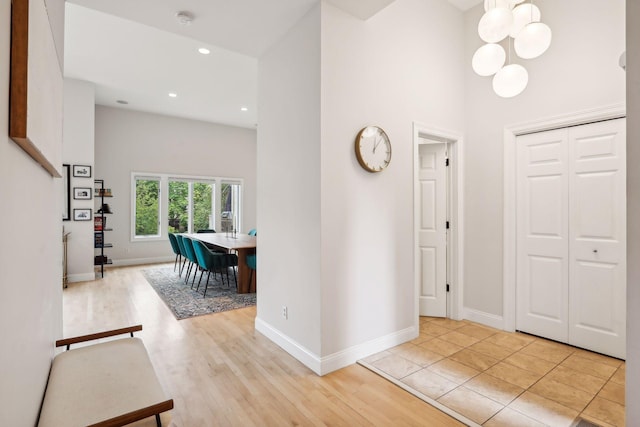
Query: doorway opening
[[438, 222]]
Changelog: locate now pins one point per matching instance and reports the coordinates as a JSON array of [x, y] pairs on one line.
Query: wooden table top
[[241, 241]]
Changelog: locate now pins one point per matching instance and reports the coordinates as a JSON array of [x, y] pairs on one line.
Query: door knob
[[595, 251]]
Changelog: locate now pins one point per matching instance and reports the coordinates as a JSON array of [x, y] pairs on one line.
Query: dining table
[[242, 245]]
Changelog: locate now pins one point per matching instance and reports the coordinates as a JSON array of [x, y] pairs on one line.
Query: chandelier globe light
[[533, 40], [510, 81], [523, 15], [495, 24], [488, 59], [517, 20]]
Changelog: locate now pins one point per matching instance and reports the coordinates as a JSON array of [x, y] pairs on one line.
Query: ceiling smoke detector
[[184, 18]]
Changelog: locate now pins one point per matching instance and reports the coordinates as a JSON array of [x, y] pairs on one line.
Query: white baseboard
[[141, 261], [83, 277], [304, 355], [483, 318], [351, 355], [333, 362]]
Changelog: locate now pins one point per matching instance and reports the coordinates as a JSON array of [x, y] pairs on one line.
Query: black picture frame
[[82, 214], [66, 190], [81, 171], [82, 193]]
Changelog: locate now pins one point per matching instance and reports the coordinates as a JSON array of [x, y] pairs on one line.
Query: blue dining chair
[[252, 263], [193, 261], [209, 261], [183, 251], [253, 232], [176, 249]]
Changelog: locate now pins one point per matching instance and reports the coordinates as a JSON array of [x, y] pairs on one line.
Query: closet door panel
[[542, 235], [597, 253]]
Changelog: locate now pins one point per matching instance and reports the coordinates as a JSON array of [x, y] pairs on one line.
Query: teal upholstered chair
[[176, 249], [232, 261], [253, 232], [183, 251], [210, 262], [252, 263], [193, 261]]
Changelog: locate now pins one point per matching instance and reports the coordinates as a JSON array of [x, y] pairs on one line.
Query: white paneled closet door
[[571, 245], [597, 255], [542, 242]]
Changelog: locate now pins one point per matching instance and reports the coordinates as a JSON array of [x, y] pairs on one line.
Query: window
[[229, 206], [147, 207], [190, 204]]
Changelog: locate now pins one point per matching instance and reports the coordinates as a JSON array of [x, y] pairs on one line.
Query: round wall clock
[[373, 149]]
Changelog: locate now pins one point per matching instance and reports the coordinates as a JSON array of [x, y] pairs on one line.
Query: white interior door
[[542, 235], [597, 255], [571, 236], [432, 229]]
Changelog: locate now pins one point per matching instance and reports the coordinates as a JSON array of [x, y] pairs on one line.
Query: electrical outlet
[[285, 312]]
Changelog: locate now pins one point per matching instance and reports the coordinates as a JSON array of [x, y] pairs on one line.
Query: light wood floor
[[220, 371]]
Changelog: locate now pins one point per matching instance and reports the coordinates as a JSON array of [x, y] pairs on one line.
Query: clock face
[[373, 149]]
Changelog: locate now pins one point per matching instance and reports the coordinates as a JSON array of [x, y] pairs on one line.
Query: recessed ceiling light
[[173, 94], [204, 51], [184, 17], [244, 109], [122, 101]]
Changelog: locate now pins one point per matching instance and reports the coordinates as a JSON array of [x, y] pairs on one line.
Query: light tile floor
[[496, 378]]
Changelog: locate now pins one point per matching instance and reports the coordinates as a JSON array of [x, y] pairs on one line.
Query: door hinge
[[446, 162], [447, 287], [447, 225]]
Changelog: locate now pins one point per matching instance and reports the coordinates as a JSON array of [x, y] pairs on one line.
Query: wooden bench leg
[[158, 421]]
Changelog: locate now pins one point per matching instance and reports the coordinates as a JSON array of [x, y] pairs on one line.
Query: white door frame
[[509, 234], [456, 216]]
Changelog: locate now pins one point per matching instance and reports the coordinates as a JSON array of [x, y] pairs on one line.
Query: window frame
[[134, 179], [163, 202]]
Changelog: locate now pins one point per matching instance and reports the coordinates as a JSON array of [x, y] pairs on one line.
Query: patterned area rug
[[185, 302]]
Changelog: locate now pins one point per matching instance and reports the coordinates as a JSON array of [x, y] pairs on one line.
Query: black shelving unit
[[100, 226]]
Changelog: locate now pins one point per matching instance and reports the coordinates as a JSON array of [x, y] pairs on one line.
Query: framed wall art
[[81, 171], [82, 193], [36, 84], [82, 214]]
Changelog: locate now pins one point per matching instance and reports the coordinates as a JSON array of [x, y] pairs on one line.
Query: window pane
[[202, 207], [178, 207], [147, 207], [230, 206]]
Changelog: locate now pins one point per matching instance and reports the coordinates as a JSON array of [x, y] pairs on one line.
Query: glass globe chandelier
[[509, 19]]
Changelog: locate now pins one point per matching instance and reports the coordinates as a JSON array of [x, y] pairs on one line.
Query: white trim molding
[[596, 114], [81, 277], [142, 261], [487, 319], [346, 357], [456, 215], [304, 355], [333, 362]]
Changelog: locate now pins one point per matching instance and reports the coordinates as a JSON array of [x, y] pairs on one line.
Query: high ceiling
[[138, 51]]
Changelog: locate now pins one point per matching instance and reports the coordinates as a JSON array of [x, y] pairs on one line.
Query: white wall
[[633, 213], [404, 64], [347, 277], [129, 141], [30, 263], [289, 190], [579, 71], [77, 149]]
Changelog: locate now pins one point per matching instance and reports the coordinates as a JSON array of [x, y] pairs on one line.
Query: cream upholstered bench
[[106, 384]]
